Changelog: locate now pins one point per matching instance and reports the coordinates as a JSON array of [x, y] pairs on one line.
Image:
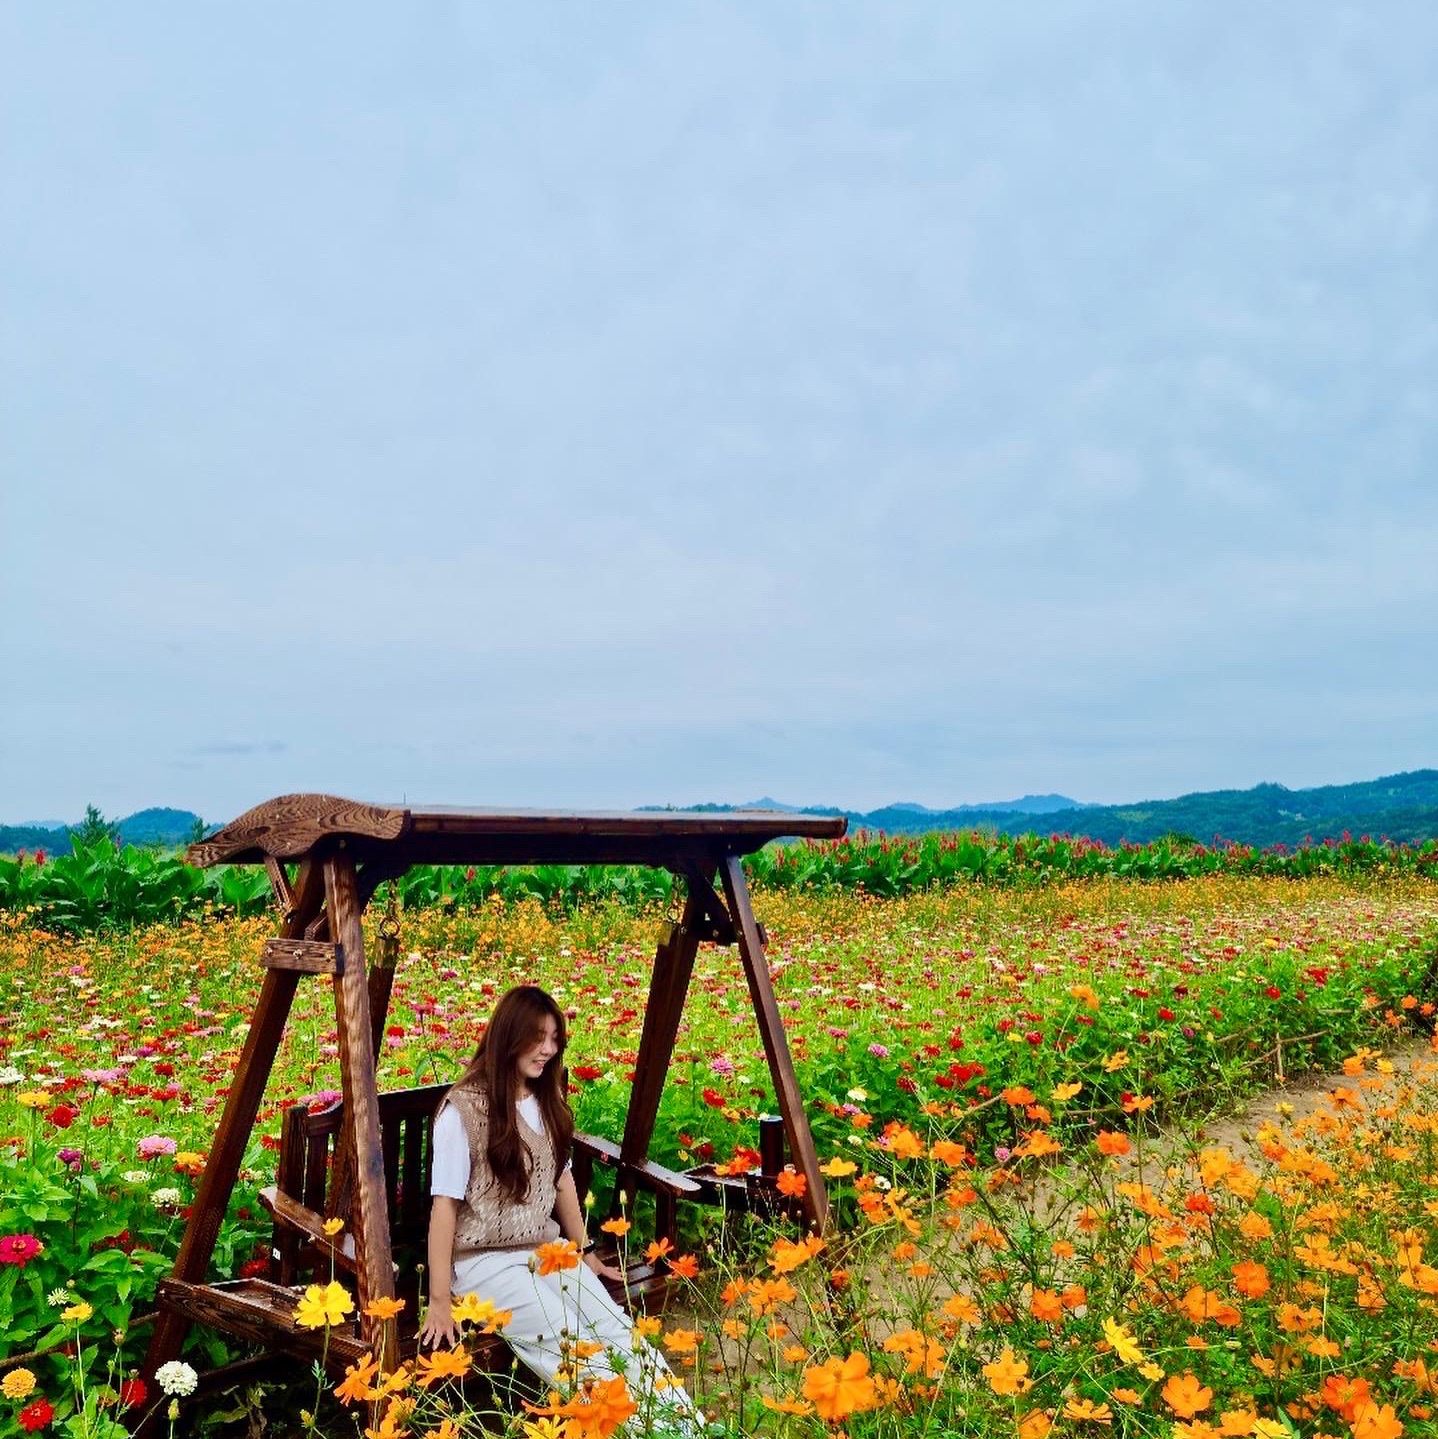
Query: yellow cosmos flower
[[324, 1305], [1123, 1343]]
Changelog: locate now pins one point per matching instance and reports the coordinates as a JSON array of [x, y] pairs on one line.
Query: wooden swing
[[366, 1159]]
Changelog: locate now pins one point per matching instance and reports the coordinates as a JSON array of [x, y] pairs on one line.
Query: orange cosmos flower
[[383, 1308], [1046, 1306], [603, 1409], [902, 1142], [682, 1341], [1112, 1142], [1372, 1422], [1008, 1374], [617, 1227], [1086, 1411], [788, 1406], [1346, 1396], [660, 1249], [1018, 1094], [766, 1295], [685, 1266], [791, 1184], [1251, 1279], [963, 1309], [840, 1387], [357, 1381], [787, 1255], [1253, 1226], [1037, 1145], [1034, 1425], [947, 1152], [1186, 1396], [559, 1255], [442, 1364]]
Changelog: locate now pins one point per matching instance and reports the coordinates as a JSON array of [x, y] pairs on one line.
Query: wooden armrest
[[649, 1174], [300, 1216], [604, 1150]]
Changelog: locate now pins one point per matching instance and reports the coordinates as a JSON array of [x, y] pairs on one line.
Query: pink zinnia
[[152, 1146], [19, 1249]]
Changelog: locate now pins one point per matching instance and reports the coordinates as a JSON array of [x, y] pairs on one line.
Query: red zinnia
[[586, 1071], [19, 1249], [133, 1392], [37, 1415], [62, 1116]]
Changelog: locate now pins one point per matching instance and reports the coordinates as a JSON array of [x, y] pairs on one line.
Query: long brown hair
[[516, 1025]]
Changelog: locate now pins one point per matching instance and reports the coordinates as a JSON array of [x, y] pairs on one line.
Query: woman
[[502, 1186]]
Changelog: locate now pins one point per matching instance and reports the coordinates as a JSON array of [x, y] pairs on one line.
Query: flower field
[[983, 1057]]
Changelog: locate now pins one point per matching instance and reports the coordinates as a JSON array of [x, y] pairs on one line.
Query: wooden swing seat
[[306, 1192]]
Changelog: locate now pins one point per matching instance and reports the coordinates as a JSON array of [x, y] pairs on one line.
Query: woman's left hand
[[603, 1270]]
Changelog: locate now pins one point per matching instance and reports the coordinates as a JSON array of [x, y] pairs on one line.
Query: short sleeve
[[449, 1172]]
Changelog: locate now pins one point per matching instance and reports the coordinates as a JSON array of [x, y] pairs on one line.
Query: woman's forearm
[[441, 1251], [568, 1212]]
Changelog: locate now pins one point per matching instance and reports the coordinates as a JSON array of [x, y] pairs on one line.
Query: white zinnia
[[176, 1378]]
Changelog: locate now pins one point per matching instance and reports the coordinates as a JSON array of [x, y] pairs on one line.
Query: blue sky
[[603, 405]]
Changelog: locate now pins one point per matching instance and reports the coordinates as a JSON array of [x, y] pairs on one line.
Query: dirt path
[[1305, 1092]]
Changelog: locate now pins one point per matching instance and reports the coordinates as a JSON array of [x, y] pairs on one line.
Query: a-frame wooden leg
[[673, 967], [369, 1223], [267, 1027], [776, 1044]]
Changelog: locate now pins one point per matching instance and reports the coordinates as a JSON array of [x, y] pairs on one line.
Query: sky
[[595, 406]]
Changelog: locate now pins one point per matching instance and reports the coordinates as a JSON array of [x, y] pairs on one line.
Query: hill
[[147, 827]]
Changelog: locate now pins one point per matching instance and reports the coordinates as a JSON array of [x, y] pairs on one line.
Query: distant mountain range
[[1397, 806]]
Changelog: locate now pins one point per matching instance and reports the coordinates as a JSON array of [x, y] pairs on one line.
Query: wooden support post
[[776, 1044], [369, 1223], [267, 1027], [673, 966], [381, 986]]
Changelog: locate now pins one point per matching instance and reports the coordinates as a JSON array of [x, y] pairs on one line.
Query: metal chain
[[390, 929]]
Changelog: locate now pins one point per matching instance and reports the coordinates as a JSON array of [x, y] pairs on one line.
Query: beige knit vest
[[488, 1218]]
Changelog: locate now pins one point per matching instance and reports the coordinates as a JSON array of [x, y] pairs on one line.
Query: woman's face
[[531, 1061]]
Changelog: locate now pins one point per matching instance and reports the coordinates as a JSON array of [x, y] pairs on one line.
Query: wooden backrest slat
[[414, 1185], [317, 1169], [390, 1136]]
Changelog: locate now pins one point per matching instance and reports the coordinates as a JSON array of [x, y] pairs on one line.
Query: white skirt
[[553, 1311]]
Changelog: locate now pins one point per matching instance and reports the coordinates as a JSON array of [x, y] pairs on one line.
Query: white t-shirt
[[449, 1172]]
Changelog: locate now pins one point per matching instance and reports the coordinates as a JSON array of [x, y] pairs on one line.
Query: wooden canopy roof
[[400, 835]]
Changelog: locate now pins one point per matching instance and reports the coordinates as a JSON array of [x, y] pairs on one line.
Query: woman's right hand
[[438, 1328]]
